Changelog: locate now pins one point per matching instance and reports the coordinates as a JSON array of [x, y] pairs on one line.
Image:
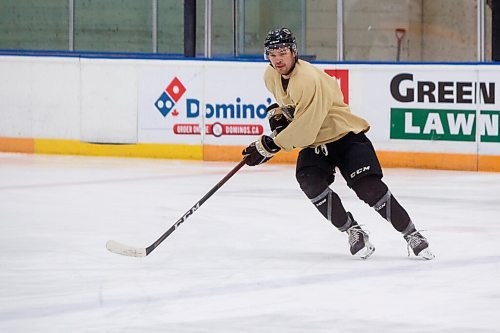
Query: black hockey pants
[[355, 157]]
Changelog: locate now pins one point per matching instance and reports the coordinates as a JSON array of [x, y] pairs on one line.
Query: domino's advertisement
[[215, 103], [457, 108]]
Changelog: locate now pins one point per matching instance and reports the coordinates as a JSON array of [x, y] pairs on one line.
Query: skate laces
[[414, 239], [354, 234]]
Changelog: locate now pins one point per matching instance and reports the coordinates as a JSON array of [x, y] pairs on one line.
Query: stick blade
[[125, 250]]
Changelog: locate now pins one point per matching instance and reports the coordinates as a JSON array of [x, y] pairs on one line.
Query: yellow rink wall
[[465, 162], [74, 147]]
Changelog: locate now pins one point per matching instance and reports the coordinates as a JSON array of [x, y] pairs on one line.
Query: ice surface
[[256, 257]]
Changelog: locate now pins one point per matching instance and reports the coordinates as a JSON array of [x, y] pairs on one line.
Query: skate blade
[[367, 251], [426, 254]]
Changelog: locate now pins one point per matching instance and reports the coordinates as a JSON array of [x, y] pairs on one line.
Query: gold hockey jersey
[[321, 116]]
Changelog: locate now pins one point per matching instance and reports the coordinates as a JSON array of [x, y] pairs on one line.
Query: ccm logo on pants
[[360, 171]]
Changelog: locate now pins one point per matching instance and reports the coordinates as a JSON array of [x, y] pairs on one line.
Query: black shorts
[[353, 155]]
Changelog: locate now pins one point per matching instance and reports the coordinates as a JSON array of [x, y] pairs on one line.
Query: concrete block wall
[[449, 28], [321, 29], [113, 25], [436, 30], [33, 24]]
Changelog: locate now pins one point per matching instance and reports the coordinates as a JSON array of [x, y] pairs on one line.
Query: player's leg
[[372, 190], [363, 174], [314, 174]]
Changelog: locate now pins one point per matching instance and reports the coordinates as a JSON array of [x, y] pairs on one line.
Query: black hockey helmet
[[278, 38]]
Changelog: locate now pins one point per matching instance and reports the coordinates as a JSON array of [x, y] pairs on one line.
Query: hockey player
[[312, 115]]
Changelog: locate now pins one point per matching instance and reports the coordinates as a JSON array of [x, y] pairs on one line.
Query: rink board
[[444, 116]]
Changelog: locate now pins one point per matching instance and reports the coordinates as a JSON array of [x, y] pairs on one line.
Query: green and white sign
[[445, 125]]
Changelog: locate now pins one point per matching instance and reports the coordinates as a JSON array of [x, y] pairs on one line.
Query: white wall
[[109, 100], [40, 97], [113, 101]]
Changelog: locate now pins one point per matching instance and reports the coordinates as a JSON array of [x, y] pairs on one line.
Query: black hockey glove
[[279, 117], [260, 151]]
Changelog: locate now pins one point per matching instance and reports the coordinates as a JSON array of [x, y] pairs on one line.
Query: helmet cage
[[280, 38], [291, 46]]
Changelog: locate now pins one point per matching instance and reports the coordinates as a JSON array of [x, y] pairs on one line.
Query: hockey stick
[[131, 251]]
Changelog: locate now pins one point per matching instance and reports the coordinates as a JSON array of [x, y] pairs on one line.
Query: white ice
[[256, 257]]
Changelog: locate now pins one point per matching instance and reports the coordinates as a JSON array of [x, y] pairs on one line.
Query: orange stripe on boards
[[17, 145], [222, 153], [489, 163], [286, 157], [467, 162], [233, 154], [388, 159]]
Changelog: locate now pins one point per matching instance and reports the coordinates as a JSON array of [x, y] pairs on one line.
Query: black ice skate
[[419, 245], [359, 240]]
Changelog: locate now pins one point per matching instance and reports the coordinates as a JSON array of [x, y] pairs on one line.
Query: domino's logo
[[169, 98]]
